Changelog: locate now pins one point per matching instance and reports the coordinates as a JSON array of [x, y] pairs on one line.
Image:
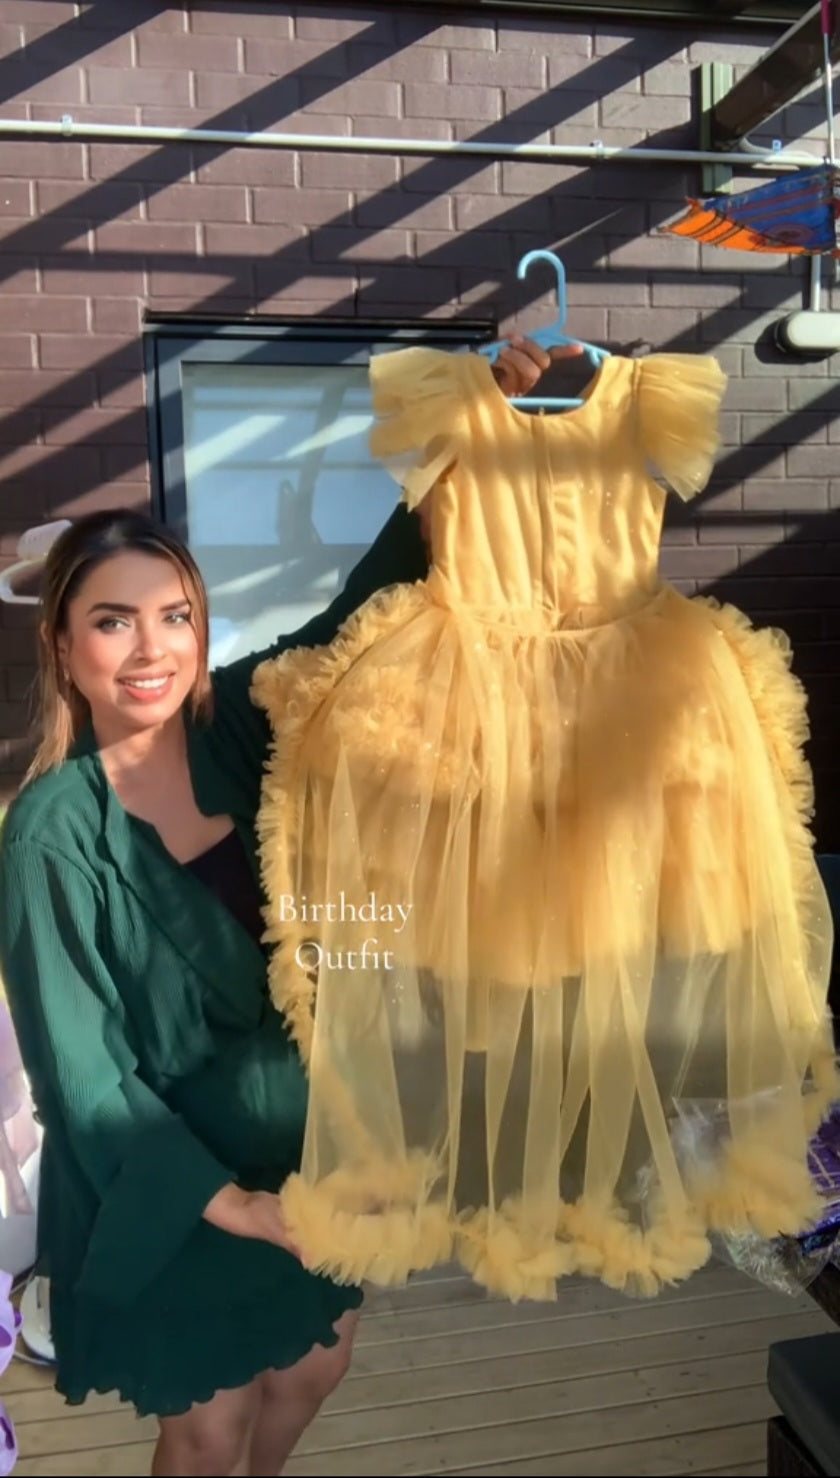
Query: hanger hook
[[555, 262]]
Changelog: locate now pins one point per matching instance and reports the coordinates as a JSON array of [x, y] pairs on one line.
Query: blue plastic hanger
[[549, 337]]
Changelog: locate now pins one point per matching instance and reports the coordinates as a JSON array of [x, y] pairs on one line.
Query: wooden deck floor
[[446, 1380]]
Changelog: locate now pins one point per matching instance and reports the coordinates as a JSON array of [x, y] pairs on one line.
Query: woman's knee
[[317, 1374], [213, 1436]]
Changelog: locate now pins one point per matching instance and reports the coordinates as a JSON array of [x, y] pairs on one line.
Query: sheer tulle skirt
[[550, 935]]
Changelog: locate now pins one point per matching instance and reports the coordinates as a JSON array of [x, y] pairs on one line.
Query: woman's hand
[[254, 1214], [522, 362]]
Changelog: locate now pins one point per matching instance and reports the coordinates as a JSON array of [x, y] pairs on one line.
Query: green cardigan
[[158, 1067]]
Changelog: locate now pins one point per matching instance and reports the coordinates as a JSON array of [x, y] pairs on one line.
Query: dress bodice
[[548, 521]]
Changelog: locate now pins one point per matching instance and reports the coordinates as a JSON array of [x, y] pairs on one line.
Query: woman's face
[[130, 646]]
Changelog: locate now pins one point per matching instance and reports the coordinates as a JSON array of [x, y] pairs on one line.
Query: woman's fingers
[[522, 362]]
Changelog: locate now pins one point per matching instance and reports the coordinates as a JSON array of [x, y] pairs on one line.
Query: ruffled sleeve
[[418, 398], [679, 397]]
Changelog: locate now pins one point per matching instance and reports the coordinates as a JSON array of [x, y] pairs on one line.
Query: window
[[262, 465]]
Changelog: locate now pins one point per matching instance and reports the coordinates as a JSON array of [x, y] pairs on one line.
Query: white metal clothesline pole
[[131, 133]]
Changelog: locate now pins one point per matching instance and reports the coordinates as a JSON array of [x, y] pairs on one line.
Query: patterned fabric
[[796, 214]]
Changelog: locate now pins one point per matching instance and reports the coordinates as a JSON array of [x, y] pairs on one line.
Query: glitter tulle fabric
[[589, 796]]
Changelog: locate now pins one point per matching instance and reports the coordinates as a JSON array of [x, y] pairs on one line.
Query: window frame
[[169, 344]]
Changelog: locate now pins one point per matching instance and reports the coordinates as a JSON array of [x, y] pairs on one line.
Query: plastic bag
[[700, 1130]]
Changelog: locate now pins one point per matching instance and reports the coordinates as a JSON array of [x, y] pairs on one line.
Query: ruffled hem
[[291, 689], [755, 1186], [217, 1360], [780, 702]]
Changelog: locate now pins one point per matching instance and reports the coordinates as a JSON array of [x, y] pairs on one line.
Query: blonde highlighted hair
[[75, 555]]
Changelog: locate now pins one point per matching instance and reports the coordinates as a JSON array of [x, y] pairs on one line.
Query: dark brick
[[471, 35], [566, 109], [215, 91], [118, 388], [274, 167], [414, 286], [524, 34], [699, 562], [607, 75], [348, 172], [217, 18], [115, 315], [263, 241], [783, 495], [62, 199], [356, 96], [494, 249], [811, 461], [432, 213], [752, 394], [42, 389], [667, 79], [136, 239], [138, 85], [645, 114], [797, 427], [157, 165], [33, 159], [16, 197], [200, 203], [432, 100], [311, 207], [18, 351], [350, 245], [95, 427], [133, 13], [45, 84], [499, 69], [357, 24], [383, 64], [186, 53], [63, 351]]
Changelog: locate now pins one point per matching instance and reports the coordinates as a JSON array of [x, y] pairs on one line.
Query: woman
[[171, 1094]]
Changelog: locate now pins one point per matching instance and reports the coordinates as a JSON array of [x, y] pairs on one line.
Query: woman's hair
[[73, 557]]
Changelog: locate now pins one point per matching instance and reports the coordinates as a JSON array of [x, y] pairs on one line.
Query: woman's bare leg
[[212, 1439], [289, 1399]]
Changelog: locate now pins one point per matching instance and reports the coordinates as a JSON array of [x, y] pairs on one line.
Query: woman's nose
[[149, 641]]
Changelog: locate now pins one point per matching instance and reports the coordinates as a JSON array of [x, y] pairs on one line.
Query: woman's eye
[[178, 617], [108, 623]]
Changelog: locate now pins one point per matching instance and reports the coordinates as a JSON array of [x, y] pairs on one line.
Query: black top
[[225, 870]]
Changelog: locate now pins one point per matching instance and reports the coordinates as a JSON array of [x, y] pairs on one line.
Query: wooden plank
[[494, 1373], [690, 1452], [47, 1405], [129, 1460], [564, 1433], [420, 1323], [573, 1294], [68, 1434], [756, 1469], [781, 72], [21, 1376], [405, 1346], [513, 1404]]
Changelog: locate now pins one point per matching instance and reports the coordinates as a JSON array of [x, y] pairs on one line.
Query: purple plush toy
[[9, 1326]]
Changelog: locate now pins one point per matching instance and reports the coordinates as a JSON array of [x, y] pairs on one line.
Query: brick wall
[[95, 236]]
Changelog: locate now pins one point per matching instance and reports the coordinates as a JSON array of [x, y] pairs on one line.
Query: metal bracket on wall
[[714, 80]]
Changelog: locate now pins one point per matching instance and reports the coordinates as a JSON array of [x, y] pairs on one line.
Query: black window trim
[[170, 343]]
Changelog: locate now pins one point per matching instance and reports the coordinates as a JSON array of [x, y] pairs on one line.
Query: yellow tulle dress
[[545, 916]]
